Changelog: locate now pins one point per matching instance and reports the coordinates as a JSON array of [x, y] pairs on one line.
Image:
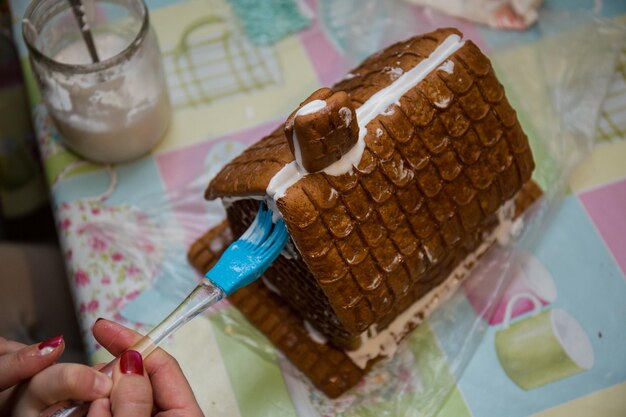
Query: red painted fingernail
[[131, 363], [51, 344]]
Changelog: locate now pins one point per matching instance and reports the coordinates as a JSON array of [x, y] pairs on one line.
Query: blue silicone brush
[[244, 261]]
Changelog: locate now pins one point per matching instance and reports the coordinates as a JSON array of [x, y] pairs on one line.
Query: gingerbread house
[[391, 184]]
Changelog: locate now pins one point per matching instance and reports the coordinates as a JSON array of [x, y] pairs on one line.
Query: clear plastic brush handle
[[200, 299]]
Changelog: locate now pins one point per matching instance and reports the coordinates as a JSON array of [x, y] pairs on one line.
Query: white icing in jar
[[111, 111]]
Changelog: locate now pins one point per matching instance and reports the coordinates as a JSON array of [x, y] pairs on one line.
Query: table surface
[[124, 229]]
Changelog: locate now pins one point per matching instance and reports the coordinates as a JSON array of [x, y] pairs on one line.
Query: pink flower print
[[68, 254], [81, 308], [81, 278], [97, 244], [118, 317], [66, 223], [106, 280], [115, 304], [95, 211], [117, 257], [92, 306], [65, 206], [132, 295], [133, 270], [147, 246]]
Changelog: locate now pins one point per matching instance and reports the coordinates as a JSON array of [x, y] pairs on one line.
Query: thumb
[[132, 393], [20, 364]]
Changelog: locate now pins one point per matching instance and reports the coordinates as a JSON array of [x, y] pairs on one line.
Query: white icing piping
[[378, 104], [395, 72], [228, 201], [311, 107], [443, 103], [283, 179], [314, 334], [385, 343], [271, 204], [346, 116], [297, 153], [270, 286], [290, 251], [447, 66]]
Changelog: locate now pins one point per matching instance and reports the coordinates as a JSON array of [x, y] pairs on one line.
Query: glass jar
[[113, 110]]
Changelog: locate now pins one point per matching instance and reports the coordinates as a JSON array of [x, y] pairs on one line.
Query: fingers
[[171, 389], [68, 382], [62, 382], [100, 408], [114, 337], [21, 362], [132, 393], [9, 346], [99, 366]]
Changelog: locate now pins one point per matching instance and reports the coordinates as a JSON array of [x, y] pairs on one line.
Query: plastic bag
[[567, 73], [559, 120]]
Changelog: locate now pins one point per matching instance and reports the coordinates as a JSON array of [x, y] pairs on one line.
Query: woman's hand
[[30, 381], [19, 362], [138, 391]]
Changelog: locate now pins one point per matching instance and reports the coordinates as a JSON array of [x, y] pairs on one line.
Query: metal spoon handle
[[85, 30]]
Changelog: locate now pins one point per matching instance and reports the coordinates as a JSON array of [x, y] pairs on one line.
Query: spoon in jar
[[85, 30]]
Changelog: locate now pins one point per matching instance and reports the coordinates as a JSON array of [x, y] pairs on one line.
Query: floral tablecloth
[[125, 229]]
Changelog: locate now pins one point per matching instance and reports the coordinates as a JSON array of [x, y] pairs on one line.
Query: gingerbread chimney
[[322, 129]]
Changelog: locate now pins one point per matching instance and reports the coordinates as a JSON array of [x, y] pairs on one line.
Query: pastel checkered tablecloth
[[125, 229]]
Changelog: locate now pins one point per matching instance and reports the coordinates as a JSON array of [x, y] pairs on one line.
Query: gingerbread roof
[[434, 170]]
